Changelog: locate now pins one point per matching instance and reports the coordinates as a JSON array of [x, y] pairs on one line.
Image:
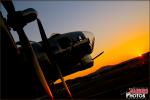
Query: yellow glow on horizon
[[140, 55]]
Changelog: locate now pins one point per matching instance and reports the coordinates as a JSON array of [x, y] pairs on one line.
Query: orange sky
[[125, 49], [126, 38]]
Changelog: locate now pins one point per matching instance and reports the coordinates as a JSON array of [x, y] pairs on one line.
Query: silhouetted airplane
[[29, 69]]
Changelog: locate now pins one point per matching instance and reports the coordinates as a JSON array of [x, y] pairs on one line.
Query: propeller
[[13, 18], [48, 49]]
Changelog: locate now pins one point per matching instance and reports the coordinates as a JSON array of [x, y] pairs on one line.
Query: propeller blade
[[48, 49], [63, 81], [8, 5]]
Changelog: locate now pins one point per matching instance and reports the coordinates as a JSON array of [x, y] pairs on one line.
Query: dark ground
[[110, 82]]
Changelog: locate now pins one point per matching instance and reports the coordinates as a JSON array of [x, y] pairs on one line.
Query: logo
[[136, 93]]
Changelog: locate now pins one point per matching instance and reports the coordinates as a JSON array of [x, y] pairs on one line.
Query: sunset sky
[[121, 28]]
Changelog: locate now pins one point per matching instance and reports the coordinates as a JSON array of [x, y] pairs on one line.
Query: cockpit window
[[91, 37], [80, 38]]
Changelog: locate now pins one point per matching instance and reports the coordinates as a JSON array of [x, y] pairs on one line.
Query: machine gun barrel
[[98, 55]]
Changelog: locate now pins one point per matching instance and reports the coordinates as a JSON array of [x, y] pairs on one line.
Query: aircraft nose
[[91, 37]]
